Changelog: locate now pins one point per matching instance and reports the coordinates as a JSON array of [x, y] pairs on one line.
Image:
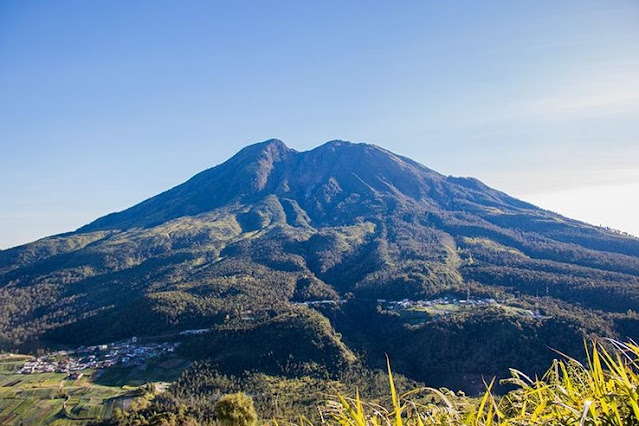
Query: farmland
[[56, 398], [417, 312]]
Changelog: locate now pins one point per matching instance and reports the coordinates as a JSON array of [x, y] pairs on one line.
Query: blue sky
[[103, 104]]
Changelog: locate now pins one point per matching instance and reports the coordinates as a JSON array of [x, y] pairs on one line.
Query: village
[[131, 352], [434, 308], [407, 304], [437, 308], [127, 353]]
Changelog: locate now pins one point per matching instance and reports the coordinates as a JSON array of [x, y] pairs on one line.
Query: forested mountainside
[[238, 247]]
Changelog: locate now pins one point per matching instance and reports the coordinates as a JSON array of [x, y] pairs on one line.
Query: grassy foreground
[[604, 391]]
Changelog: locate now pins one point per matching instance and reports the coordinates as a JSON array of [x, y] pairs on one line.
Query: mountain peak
[[272, 148], [274, 144], [340, 144], [327, 181]]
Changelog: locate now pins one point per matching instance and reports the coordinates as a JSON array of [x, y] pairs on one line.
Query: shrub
[[235, 409]]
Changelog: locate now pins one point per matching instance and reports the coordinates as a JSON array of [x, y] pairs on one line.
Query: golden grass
[[604, 391]]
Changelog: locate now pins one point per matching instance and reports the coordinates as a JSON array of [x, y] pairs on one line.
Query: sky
[[104, 104]]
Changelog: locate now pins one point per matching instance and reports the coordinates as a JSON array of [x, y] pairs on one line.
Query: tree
[[235, 409]]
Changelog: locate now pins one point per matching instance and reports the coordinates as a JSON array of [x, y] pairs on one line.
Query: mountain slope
[[273, 226]]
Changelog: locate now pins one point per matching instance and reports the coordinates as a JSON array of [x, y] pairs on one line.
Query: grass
[[492, 245], [10, 364], [419, 314], [602, 392], [164, 371]]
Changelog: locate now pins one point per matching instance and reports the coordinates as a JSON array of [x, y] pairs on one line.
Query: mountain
[[236, 245]]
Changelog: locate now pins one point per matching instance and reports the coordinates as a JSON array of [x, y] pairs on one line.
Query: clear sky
[[105, 103]]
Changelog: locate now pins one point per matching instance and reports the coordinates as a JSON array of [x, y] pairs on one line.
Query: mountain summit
[[273, 226], [330, 183]]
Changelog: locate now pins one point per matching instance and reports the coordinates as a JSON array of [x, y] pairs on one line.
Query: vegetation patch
[[55, 398]]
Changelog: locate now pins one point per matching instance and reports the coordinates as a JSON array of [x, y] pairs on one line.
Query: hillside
[[237, 245]]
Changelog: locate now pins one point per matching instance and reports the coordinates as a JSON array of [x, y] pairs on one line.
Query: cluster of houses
[[320, 302], [407, 304], [124, 353], [441, 305]]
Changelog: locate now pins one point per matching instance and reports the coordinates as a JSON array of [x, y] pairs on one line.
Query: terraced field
[[39, 399]]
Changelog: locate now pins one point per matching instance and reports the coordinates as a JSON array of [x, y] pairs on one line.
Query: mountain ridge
[[259, 165], [272, 227]]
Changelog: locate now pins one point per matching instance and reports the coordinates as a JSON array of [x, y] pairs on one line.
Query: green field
[[167, 370], [419, 314], [39, 399]]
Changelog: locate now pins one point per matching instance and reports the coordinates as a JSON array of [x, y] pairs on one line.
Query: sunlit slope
[[272, 225]]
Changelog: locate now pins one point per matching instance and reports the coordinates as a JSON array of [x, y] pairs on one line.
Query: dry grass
[[604, 391]]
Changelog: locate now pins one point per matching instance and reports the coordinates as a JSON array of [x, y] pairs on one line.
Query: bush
[[235, 409]]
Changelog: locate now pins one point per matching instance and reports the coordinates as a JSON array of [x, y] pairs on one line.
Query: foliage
[[601, 392], [150, 417], [297, 342], [235, 409], [232, 248]]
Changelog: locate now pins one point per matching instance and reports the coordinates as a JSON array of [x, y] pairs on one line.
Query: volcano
[[273, 227]]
